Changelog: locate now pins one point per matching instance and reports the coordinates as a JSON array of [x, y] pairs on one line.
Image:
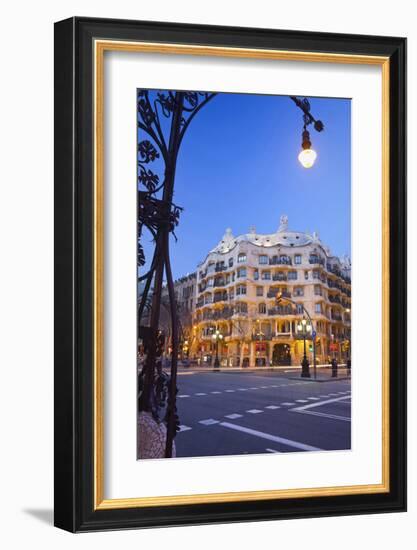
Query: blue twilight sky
[[238, 167]]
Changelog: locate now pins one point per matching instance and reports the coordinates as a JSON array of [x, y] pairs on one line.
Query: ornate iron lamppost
[[217, 337], [304, 329]]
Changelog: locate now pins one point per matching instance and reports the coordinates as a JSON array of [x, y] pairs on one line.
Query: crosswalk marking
[[287, 404], [233, 416], [270, 437], [254, 411], [201, 393], [229, 391], [184, 395], [215, 392], [301, 401], [272, 407]]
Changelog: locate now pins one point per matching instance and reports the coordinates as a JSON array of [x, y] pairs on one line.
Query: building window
[[306, 275], [256, 275], [266, 275], [262, 308], [230, 262], [300, 309], [292, 275], [263, 259], [241, 307], [298, 291], [240, 289], [241, 258], [297, 259], [317, 308], [241, 272], [317, 290], [259, 290], [210, 282], [316, 274]]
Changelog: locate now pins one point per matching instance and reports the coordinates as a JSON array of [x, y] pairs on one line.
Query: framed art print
[[230, 327]]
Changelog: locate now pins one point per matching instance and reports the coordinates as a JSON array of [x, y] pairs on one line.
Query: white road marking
[[306, 409], [272, 451], [229, 391], [233, 416], [200, 393], [215, 392], [270, 437], [326, 415], [184, 428], [184, 395], [254, 388], [242, 389], [301, 401], [320, 404], [254, 411], [208, 422], [264, 387], [313, 398], [287, 404], [272, 407]]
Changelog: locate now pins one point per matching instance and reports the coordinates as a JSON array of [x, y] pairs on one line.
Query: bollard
[[334, 368]]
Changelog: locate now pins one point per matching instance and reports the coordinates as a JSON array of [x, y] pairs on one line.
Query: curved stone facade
[[236, 294]]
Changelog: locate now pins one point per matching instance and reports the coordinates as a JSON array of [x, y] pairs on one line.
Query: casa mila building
[[251, 290]]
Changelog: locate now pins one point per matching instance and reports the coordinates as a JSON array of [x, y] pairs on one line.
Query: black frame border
[[74, 384]]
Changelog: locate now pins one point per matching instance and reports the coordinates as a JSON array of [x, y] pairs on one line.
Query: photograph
[[244, 274]]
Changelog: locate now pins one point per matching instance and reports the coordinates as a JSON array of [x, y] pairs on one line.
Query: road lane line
[[301, 401], [209, 422], [312, 405], [200, 393], [313, 398], [184, 428], [254, 411], [215, 392], [184, 395], [287, 404], [229, 391], [270, 437], [326, 415], [233, 416], [272, 407]]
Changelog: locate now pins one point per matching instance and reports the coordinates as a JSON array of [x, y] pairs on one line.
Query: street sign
[[314, 334]]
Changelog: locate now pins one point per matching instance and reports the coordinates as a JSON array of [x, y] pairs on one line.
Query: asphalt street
[[225, 413]]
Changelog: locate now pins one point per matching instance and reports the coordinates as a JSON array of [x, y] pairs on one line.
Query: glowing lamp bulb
[[307, 157]]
